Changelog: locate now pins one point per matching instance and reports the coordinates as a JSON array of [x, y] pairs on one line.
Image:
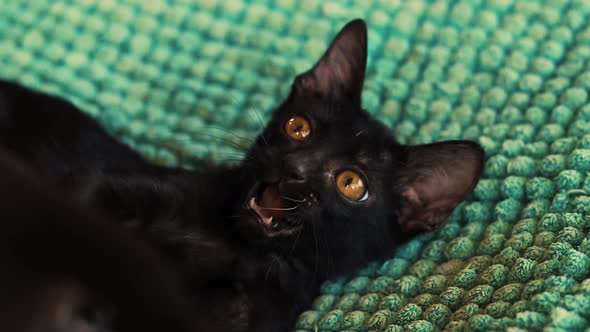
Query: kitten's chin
[[269, 212]]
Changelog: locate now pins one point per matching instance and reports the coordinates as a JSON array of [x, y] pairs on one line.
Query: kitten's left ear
[[438, 177], [340, 72]]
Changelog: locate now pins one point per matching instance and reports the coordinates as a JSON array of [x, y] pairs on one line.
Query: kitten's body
[[255, 241], [67, 269]]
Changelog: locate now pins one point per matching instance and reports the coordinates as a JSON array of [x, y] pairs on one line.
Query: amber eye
[[297, 128], [351, 185]]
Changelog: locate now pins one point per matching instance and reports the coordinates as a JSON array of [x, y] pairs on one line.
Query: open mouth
[[272, 209], [266, 202]]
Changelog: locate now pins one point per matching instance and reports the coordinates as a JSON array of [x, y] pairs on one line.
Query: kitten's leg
[[56, 137], [167, 208], [67, 268]]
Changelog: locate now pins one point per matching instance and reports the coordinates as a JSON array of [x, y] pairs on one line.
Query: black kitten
[[323, 190]]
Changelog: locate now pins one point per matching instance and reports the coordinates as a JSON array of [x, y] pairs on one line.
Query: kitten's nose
[[294, 176], [294, 170]]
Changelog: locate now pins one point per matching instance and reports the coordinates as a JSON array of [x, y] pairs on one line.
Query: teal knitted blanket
[[183, 80]]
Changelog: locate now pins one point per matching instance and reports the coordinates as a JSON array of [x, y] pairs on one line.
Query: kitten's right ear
[[340, 72], [436, 178]]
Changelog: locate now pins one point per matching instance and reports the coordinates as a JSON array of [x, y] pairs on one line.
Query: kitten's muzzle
[[272, 210]]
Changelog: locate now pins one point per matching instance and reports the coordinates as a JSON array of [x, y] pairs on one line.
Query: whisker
[[279, 209], [317, 253], [261, 125], [270, 267], [250, 141], [237, 161], [228, 153], [225, 140], [257, 115], [331, 264], [224, 130], [293, 199], [296, 239]]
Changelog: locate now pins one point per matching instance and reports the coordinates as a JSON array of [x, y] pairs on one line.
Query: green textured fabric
[[180, 80]]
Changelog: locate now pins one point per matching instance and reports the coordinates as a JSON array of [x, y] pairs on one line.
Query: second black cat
[[324, 189]]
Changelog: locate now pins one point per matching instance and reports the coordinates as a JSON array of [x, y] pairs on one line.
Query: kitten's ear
[[340, 72], [438, 177]]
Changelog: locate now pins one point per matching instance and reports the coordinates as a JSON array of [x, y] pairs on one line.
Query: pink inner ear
[[444, 174], [417, 215], [450, 183]]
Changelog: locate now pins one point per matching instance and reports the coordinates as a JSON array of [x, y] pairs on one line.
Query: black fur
[[65, 269], [258, 276]]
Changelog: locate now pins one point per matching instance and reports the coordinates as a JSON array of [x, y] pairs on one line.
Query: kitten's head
[[331, 181]]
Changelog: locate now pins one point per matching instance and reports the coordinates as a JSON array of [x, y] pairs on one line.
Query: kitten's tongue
[[272, 200]]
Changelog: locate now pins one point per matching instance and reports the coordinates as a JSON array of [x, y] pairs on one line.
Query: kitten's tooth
[[252, 202], [268, 221]]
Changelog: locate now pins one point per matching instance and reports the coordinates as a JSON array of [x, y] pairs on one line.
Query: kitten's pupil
[[348, 181], [351, 185], [298, 128]]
